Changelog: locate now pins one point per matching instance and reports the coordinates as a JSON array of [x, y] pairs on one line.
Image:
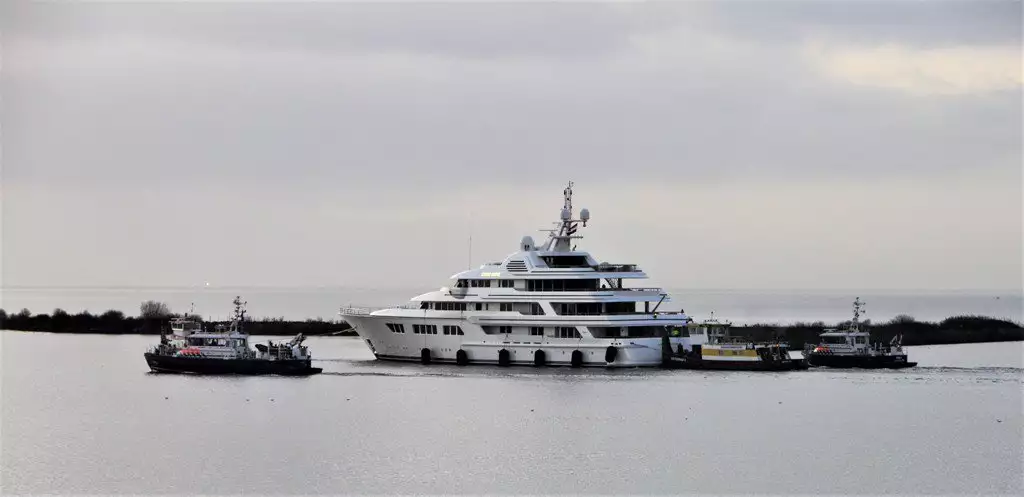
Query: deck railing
[[357, 310]]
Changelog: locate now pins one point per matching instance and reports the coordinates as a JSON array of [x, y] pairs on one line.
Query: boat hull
[[787, 365], [206, 365], [859, 361], [477, 348]]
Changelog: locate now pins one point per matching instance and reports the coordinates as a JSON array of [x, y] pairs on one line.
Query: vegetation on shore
[[155, 316], [956, 329]]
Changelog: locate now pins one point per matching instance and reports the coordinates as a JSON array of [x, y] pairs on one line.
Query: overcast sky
[[730, 144]]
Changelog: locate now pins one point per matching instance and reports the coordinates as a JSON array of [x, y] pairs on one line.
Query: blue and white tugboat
[[852, 348], [225, 350]]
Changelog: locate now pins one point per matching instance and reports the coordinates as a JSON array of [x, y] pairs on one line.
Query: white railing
[[352, 310]]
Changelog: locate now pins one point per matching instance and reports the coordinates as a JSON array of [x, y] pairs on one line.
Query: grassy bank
[[959, 329], [116, 323]]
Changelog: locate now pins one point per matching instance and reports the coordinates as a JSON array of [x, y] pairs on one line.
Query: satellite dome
[[585, 214], [566, 214], [526, 244]]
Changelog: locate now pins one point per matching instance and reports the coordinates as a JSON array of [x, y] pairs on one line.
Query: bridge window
[[580, 285], [562, 261]]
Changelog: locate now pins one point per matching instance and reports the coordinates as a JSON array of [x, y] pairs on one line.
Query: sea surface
[[82, 415], [738, 306]]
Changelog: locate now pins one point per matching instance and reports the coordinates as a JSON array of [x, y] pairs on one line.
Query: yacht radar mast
[[565, 231]]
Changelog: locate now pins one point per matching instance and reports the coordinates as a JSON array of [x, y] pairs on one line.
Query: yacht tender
[[542, 305]]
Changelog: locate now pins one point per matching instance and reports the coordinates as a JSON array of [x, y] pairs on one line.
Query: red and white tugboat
[[852, 348], [225, 350]]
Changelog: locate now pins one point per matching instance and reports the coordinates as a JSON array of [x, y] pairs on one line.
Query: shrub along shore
[[116, 323], [154, 317]]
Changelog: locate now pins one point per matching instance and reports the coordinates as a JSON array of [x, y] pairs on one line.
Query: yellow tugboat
[[714, 348]]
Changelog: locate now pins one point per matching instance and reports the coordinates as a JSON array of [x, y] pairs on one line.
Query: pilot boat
[[714, 348], [852, 348], [225, 350]]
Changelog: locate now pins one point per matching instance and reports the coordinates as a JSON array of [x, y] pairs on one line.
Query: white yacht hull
[[481, 348]]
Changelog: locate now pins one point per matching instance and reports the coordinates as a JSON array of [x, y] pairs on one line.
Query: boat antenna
[[565, 231], [857, 311]]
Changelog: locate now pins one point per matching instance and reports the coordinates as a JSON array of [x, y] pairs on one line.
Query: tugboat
[[718, 350], [225, 350], [852, 348]]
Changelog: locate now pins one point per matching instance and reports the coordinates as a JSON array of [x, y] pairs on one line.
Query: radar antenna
[[565, 229], [239, 312], [857, 311]]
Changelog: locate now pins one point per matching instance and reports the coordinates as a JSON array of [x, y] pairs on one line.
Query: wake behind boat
[[225, 350]]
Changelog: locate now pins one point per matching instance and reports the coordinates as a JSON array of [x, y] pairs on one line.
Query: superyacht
[[548, 304]]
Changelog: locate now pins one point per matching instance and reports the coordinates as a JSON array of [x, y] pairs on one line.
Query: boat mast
[[857, 305], [239, 313], [561, 237]]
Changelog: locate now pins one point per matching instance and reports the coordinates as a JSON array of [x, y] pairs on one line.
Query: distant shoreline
[[957, 329]]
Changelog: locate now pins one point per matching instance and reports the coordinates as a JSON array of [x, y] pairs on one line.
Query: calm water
[[81, 414], [780, 306]]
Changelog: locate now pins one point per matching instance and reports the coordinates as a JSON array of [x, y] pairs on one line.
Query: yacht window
[[504, 329], [834, 340], [506, 283], [479, 306], [536, 331], [505, 307], [452, 330], [862, 340], [568, 332]]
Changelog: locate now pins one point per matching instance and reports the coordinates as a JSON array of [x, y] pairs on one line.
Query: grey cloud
[[295, 129], [208, 117], [927, 23], [456, 29]]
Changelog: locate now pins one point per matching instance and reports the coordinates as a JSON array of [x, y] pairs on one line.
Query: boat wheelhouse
[[547, 304]]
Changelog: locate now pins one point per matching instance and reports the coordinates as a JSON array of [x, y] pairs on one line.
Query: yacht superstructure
[[547, 304]]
